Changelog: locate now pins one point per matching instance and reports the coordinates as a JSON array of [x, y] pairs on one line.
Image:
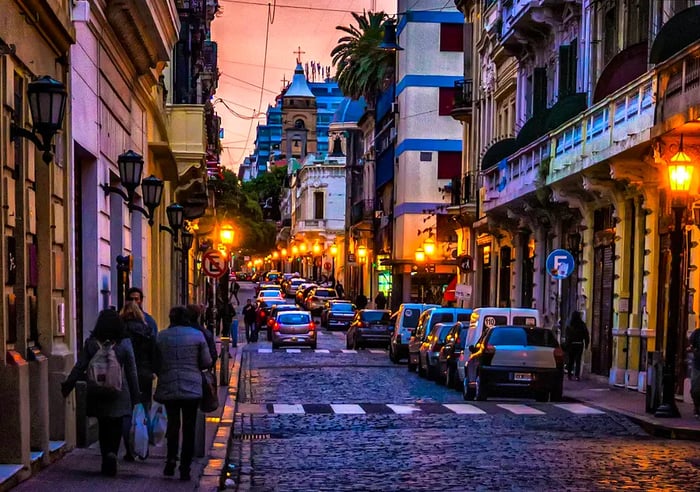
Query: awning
[[624, 67], [449, 295], [498, 151], [679, 32], [533, 129], [565, 109]]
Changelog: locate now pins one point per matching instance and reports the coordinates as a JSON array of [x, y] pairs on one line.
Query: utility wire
[[319, 9]]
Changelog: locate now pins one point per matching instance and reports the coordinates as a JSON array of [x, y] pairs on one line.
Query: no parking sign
[[560, 264], [213, 264]]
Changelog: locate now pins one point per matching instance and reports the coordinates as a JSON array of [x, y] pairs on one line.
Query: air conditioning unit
[[395, 107], [392, 134]]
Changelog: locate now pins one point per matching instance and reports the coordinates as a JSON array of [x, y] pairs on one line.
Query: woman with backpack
[[107, 363], [144, 344]]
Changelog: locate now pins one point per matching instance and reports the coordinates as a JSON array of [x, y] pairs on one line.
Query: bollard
[[223, 365], [233, 333]]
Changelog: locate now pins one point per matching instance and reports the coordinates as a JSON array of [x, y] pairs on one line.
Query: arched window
[[299, 124]]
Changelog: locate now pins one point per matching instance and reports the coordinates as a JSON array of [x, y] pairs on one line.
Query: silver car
[[294, 328]]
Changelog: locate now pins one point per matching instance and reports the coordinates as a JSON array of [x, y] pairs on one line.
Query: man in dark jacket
[[135, 294], [380, 300], [195, 313], [182, 356], [249, 318], [577, 340]]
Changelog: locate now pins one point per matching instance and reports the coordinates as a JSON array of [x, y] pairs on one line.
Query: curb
[[211, 478]]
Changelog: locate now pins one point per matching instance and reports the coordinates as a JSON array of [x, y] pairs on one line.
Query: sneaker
[[169, 469], [129, 457], [185, 474], [109, 465]]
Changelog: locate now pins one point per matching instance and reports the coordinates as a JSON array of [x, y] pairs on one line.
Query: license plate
[[522, 376]]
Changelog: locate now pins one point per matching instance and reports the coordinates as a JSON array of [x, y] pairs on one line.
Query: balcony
[[465, 195], [362, 210], [188, 139], [523, 19], [614, 125], [681, 97], [462, 108]]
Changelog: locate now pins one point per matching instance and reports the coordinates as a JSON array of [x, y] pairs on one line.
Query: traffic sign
[[214, 264], [560, 264], [466, 264]]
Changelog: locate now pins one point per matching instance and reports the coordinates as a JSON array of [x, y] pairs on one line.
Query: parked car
[[405, 319], [426, 322], [263, 311], [269, 295], [273, 313], [266, 286], [292, 285], [428, 363], [241, 276], [449, 355], [486, 317], [317, 297], [515, 361], [273, 276], [337, 314], [302, 292], [370, 326], [294, 328]]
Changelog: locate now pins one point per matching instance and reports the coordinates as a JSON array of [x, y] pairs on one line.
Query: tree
[[362, 68]]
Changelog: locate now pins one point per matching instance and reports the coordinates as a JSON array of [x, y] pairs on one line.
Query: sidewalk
[[597, 392], [80, 469]]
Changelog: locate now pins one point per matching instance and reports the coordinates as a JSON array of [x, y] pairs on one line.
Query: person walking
[[111, 411], [235, 290], [182, 356], [577, 339], [694, 346], [340, 290], [144, 345], [249, 318], [136, 294], [195, 312], [361, 301], [380, 300]]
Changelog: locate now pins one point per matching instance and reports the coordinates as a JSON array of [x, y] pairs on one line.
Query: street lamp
[[680, 174], [295, 250], [187, 240], [362, 255], [429, 246], [420, 255], [389, 41], [333, 250], [226, 234], [47, 103]]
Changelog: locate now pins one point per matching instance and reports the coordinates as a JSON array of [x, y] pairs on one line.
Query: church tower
[[299, 117]]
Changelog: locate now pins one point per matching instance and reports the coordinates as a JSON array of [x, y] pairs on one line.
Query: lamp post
[[680, 174], [362, 256], [420, 260], [47, 103], [333, 251], [316, 250], [187, 239]]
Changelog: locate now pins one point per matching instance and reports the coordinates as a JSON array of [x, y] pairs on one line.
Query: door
[[602, 316]]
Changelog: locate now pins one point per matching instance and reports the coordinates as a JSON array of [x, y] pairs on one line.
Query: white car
[[270, 295]]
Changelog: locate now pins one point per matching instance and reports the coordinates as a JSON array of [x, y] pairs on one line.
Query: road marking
[[264, 350], [293, 351], [464, 408], [347, 351], [251, 408], [322, 351], [403, 409], [520, 409], [376, 351], [284, 408], [579, 409], [347, 409]]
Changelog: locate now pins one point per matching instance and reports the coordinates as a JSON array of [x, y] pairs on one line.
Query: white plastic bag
[[159, 424], [139, 431]]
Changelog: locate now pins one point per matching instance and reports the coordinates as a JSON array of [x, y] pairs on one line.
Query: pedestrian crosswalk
[[269, 350], [490, 408]]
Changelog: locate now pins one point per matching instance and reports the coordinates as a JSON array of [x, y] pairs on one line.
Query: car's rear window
[[463, 316], [524, 320], [410, 317], [444, 331], [297, 282], [370, 316], [441, 318], [342, 307], [294, 318], [522, 336], [270, 293], [324, 293]]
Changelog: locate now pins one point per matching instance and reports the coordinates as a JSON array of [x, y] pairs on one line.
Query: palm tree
[[362, 68]]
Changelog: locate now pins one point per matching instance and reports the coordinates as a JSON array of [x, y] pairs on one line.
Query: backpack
[[104, 372]]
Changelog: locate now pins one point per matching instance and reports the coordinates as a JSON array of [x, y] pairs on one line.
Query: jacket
[[577, 332], [181, 357], [144, 342], [129, 396]]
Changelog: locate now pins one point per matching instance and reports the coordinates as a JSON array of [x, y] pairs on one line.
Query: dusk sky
[[240, 34]]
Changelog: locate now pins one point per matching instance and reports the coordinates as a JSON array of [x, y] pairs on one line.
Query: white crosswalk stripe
[[264, 350], [347, 351], [293, 351], [579, 409], [347, 409], [520, 409], [464, 409], [322, 351], [284, 408], [403, 409], [376, 351]]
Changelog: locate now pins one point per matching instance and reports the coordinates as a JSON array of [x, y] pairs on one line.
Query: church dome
[[349, 110], [299, 87]]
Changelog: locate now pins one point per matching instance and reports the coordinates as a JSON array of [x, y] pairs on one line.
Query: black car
[[337, 314], [271, 317], [370, 326], [449, 354]]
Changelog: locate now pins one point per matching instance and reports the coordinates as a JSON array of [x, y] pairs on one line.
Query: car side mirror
[[472, 349]]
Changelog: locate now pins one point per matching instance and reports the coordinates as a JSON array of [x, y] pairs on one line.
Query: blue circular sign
[[560, 264]]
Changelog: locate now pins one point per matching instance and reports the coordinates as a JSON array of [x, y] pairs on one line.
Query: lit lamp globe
[[302, 247], [362, 253], [275, 255], [420, 255], [250, 264], [283, 252], [429, 246], [295, 250], [316, 248], [334, 250], [680, 171], [226, 235]]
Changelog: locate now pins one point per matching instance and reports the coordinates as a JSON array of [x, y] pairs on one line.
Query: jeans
[[248, 329], [188, 409], [575, 353], [110, 433]]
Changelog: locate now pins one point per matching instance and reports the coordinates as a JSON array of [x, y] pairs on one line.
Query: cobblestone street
[[341, 420]]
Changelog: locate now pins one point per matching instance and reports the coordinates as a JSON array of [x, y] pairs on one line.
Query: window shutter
[[564, 67], [539, 90]]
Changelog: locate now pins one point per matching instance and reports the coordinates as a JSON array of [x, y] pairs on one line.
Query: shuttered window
[[446, 101], [451, 37], [539, 90], [449, 165]]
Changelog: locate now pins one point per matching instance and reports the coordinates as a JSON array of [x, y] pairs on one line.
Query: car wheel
[[421, 371], [411, 367], [313, 346], [437, 375], [557, 394], [467, 391], [275, 346], [392, 355], [542, 396], [480, 391]]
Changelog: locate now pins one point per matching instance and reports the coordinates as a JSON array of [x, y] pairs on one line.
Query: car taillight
[[262, 314], [269, 322], [559, 356], [276, 326], [312, 326], [360, 324]]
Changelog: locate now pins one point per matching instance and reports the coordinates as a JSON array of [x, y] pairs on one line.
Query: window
[[451, 37], [318, 205], [539, 90], [446, 101], [637, 21], [567, 69], [610, 30], [449, 165]]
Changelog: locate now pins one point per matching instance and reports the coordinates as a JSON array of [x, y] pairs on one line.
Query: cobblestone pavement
[[312, 421]]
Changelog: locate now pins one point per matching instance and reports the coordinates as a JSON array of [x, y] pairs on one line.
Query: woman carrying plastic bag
[[139, 432]]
